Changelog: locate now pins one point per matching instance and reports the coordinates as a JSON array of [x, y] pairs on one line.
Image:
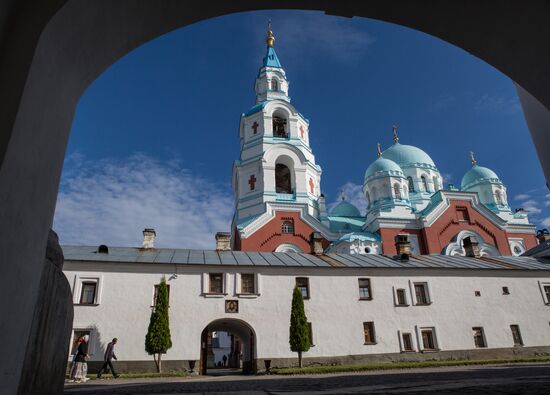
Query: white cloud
[[353, 194], [112, 201], [497, 104], [531, 206], [522, 196], [444, 101], [545, 221]]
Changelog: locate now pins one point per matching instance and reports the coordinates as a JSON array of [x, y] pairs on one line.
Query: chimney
[[471, 247], [223, 241], [543, 235], [316, 243], [149, 238], [403, 246]]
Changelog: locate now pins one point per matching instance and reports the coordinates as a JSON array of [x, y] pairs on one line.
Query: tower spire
[[472, 158], [270, 39], [379, 151], [395, 137]]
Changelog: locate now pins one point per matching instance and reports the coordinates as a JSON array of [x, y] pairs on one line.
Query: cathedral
[[279, 203], [426, 273]]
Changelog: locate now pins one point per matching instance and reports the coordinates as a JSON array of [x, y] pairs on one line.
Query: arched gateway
[[242, 349]]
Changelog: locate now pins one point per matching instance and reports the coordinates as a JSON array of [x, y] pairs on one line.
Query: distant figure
[[107, 359], [224, 360], [80, 359]]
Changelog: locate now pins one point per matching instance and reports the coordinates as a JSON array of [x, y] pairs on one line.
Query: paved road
[[508, 379]]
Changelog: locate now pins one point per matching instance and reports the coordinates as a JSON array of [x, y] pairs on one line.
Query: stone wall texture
[[48, 345]]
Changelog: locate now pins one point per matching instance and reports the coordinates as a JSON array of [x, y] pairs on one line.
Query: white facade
[[335, 310]]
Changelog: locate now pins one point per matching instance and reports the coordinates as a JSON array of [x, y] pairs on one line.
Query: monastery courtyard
[[489, 379]]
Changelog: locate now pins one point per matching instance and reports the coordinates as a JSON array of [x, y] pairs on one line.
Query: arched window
[[288, 227], [498, 198], [283, 181], [436, 184], [411, 184], [424, 183], [274, 85], [397, 191], [367, 196], [279, 127]]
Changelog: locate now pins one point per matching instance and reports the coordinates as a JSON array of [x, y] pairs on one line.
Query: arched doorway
[[232, 338]]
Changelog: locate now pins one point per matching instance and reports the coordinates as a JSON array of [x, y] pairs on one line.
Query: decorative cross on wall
[[252, 181], [302, 131], [255, 127], [311, 186]]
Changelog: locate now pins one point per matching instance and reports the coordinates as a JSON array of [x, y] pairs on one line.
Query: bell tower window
[[279, 127], [283, 181], [274, 85]]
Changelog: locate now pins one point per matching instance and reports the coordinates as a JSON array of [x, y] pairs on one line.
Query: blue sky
[[154, 137]]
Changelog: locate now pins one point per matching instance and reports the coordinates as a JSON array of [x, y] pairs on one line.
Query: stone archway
[[51, 50], [242, 353]]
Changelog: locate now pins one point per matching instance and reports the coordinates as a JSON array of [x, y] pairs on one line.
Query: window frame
[[401, 337], [222, 279], [545, 295], [287, 227], [396, 297], [368, 287], [77, 289], [83, 286], [254, 288], [310, 334], [308, 288], [426, 293], [371, 331], [520, 343], [421, 345], [479, 333]]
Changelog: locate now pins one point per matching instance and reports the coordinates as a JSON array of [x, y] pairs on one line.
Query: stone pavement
[[491, 379]]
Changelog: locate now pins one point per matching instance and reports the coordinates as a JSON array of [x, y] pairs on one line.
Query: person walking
[[81, 356], [224, 360], [73, 366], [107, 359]]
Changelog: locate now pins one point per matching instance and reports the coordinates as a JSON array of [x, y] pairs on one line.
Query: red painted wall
[[270, 236], [433, 239]]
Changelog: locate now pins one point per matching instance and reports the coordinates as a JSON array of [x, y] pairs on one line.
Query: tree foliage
[[299, 331], [158, 339]]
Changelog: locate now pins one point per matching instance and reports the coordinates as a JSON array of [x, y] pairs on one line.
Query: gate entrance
[[228, 346]]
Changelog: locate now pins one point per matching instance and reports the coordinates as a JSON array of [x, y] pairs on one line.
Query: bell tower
[[276, 169]]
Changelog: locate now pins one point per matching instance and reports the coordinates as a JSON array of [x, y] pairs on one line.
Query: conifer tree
[[158, 340], [299, 331]]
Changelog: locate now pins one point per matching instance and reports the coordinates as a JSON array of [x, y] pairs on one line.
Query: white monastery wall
[[334, 309]]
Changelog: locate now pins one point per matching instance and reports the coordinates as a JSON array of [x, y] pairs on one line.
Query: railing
[[286, 196]]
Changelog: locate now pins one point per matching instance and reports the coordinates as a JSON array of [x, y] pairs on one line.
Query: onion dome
[[478, 175], [345, 209], [407, 155], [383, 165]]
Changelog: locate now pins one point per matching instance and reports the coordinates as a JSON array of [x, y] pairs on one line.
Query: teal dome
[[476, 175], [382, 164], [406, 155], [345, 209]]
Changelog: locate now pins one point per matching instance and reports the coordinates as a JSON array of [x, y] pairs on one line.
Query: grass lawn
[[402, 365]]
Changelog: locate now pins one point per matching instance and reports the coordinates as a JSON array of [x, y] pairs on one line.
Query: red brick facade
[[270, 236], [461, 215]]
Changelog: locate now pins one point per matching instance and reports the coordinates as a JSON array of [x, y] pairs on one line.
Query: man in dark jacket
[[107, 358]]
